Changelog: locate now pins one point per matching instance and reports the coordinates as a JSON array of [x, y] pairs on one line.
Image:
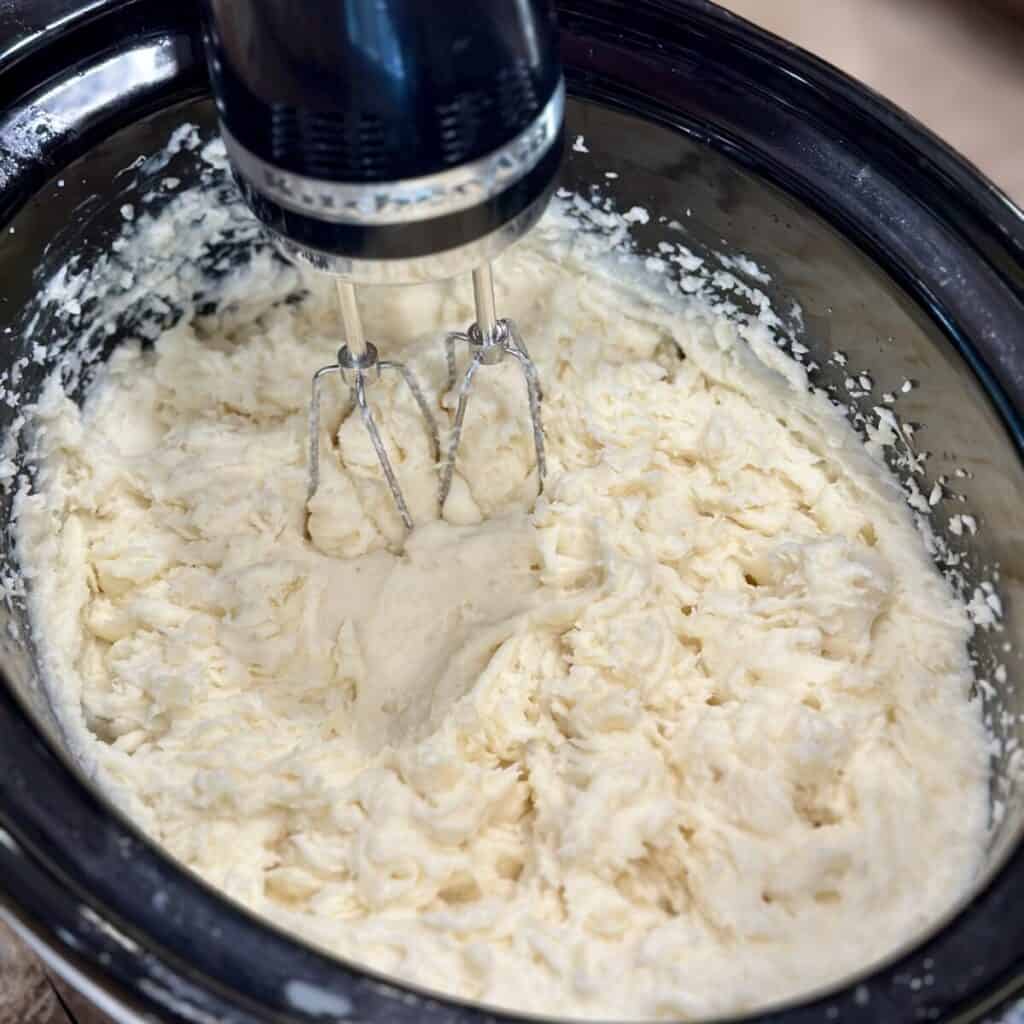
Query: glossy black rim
[[85, 883]]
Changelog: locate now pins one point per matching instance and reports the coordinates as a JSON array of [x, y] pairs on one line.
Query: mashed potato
[[687, 735]]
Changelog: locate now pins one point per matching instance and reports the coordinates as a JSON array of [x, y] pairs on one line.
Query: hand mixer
[[394, 142]]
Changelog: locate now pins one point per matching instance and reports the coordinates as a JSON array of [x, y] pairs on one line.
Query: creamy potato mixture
[[687, 735]]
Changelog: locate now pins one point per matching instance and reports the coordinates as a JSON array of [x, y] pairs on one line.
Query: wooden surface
[[957, 66], [26, 996]]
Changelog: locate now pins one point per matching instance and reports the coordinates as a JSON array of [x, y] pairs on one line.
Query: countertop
[[955, 65]]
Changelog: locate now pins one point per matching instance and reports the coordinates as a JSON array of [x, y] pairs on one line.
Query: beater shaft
[[351, 321], [483, 298]]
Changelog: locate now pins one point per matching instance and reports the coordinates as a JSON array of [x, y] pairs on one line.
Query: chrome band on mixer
[[403, 202], [417, 269]]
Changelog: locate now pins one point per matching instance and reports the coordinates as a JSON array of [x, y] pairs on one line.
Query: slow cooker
[[882, 242]]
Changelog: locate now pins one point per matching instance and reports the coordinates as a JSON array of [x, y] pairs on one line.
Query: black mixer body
[[372, 136]]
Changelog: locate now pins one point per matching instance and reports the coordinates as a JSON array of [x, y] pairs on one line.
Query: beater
[[394, 142]]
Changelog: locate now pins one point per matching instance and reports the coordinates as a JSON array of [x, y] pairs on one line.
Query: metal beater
[[489, 340]]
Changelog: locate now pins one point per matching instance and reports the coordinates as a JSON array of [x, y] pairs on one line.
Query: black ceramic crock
[[899, 254]]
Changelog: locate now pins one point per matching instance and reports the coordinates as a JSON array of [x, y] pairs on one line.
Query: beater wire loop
[[505, 340], [359, 370]]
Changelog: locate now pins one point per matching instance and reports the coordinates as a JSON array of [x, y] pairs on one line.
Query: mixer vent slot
[[479, 121], [331, 145]]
